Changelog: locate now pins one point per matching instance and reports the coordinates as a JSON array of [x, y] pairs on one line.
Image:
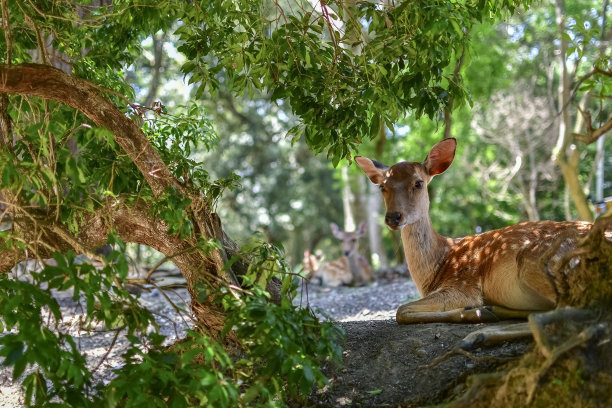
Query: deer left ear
[[373, 169], [441, 156]]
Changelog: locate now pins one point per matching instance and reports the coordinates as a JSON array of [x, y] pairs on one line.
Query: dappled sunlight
[[368, 315]]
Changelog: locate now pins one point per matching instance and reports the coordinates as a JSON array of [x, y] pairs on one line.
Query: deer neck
[[354, 267], [353, 262], [425, 251]]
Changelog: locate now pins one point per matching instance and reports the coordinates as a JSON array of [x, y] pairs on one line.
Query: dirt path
[[386, 364]]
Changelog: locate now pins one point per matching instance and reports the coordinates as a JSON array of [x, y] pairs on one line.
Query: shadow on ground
[[390, 365]]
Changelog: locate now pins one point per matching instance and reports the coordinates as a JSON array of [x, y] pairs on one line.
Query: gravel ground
[[95, 343], [377, 301]]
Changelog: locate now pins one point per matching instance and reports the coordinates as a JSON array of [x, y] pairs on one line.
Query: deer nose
[[346, 253], [393, 219]]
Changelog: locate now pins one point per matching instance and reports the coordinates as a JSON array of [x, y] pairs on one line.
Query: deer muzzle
[[393, 220]]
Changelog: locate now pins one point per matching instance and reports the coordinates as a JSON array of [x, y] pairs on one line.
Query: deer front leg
[[446, 306], [449, 306]]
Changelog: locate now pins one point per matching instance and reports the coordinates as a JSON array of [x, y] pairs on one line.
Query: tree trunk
[[373, 212], [347, 199], [566, 153], [158, 54]]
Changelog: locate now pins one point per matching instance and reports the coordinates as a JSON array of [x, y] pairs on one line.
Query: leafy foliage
[[346, 70], [283, 346]]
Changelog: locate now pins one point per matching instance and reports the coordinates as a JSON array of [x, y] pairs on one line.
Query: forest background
[[178, 131], [509, 159]]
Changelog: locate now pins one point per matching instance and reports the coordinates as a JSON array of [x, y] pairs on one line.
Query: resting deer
[[497, 274], [350, 269]]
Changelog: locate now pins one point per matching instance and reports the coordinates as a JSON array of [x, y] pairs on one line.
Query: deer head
[[404, 185], [350, 240]]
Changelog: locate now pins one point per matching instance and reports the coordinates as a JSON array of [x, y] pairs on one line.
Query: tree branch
[[132, 222], [592, 134], [50, 83]]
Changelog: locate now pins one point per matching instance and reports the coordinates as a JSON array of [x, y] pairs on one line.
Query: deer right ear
[[373, 169], [361, 229], [440, 156]]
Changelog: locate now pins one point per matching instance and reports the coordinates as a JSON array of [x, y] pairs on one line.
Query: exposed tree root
[[532, 376], [467, 354]]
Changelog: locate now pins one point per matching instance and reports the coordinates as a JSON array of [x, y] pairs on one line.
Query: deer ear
[[373, 169], [440, 156], [336, 230], [361, 229]]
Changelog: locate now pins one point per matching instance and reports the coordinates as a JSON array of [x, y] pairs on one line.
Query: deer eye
[[418, 185]]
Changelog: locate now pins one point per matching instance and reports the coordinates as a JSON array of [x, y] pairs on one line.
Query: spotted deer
[[486, 277], [351, 268]]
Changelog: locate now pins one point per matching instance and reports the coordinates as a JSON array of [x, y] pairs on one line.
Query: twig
[[467, 354], [91, 22], [172, 304], [110, 348], [327, 19], [165, 259], [169, 319], [592, 134]]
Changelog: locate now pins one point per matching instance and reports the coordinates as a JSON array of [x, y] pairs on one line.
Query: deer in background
[[350, 269], [486, 277]]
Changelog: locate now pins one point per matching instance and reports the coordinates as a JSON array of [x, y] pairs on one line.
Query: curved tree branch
[[133, 222], [47, 82]]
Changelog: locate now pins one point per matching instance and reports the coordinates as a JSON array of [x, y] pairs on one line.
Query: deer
[[351, 268], [495, 275]]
